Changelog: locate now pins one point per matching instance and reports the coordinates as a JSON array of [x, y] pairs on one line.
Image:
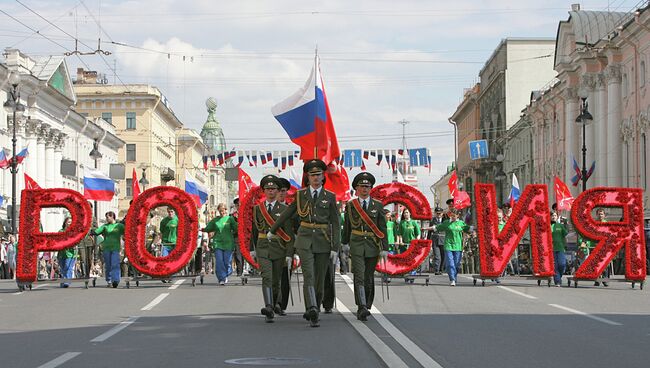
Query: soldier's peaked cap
[[270, 182], [364, 178], [284, 183], [314, 166]]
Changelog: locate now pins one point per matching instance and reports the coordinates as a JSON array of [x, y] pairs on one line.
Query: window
[[211, 200], [108, 116], [130, 152], [129, 187], [212, 180], [642, 74], [624, 86], [130, 120]]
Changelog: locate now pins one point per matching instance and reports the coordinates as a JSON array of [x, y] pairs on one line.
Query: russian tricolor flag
[[22, 155], [4, 163], [515, 192], [197, 191], [98, 186], [306, 118]]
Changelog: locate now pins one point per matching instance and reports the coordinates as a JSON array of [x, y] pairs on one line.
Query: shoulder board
[[328, 192]]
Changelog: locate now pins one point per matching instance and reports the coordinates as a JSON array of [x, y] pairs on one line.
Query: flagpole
[[315, 84]]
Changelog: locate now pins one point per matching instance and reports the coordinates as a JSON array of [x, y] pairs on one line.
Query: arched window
[[212, 180], [624, 85], [212, 200]]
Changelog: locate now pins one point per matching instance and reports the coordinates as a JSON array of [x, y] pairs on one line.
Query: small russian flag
[[98, 186], [22, 155], [197, 191]]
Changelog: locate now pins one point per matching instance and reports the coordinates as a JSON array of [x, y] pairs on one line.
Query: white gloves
[[383, 255], [253, 254], [270, 235], [289, 261], [333, 255]]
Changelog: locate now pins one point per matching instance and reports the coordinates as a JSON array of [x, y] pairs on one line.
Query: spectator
[[66, 258]]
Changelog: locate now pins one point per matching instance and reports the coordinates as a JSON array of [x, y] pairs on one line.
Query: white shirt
[[272, 204], [312, 190]]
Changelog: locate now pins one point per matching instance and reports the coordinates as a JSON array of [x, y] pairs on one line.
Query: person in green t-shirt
[[168, 228], [587, 246], [454, 229], [112, 232], [223, 230], [390, 231], [66, 258], [408, 229], [559, 233]]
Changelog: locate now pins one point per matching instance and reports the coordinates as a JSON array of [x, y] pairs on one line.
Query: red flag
[[338, 182], [245, 183], [453, 184], [135, 185], [31, 183], [461, 200], [563, 196]]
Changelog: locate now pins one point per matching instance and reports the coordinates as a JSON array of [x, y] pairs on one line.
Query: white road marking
[[155, 302], [177, 283], [106, 335], [59, 360], [516, 292], [423, 358], [385, 353], [596, 318]]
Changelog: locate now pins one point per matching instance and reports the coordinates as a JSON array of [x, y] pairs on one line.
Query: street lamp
[[96, 156], [13, 106], [143, 181], [584, 119]]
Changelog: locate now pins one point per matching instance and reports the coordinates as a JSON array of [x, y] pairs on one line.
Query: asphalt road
[[154, 325]]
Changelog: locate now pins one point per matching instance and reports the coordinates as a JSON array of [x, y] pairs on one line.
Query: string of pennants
[[417, 157]]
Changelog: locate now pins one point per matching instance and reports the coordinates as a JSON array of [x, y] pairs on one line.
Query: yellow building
[[143, 118]]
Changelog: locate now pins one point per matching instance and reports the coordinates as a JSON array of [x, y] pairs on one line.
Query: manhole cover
[[271, 361]]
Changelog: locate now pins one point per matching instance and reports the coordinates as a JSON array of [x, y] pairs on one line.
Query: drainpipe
[[636, 95], [455, 140]]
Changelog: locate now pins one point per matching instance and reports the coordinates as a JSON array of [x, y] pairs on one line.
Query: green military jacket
[[319, 221], [265, 248], [363, 242]]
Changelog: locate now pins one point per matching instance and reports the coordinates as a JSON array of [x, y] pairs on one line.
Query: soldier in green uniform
[[318, 239], [271, 253], [364, 230]]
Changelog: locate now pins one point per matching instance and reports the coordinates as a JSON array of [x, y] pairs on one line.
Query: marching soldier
[[318, 238], [270, 253], [364, 230], [285, 185]]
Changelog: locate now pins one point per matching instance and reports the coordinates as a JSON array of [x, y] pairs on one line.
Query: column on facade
[[31, 132], [613, 133], [59, 143], [50, 165], [571, 107], [600, 127], [40, 153]]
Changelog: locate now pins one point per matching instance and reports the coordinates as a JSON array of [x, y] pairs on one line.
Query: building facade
[[144, 119], [215, 142], [58, 138]]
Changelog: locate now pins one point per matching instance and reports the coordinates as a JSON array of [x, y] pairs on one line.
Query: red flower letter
[[32, 240], [496, 247], [611, 236], [135, 237], [419, 207]]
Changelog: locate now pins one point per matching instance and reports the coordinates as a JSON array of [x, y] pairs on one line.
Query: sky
[[381, 61]]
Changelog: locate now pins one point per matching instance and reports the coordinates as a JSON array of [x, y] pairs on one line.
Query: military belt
[[313, 226], [363, 233]]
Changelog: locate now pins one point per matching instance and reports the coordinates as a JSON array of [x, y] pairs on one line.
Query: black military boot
[[362, 311], [312, 310], [268, 304]]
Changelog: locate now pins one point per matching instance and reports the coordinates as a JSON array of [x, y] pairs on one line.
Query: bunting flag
[[213, 160], [220, 159], [563, 196], [429, 162], [254, 156], [393, 161], [373, 153], [263, 158], [269, 156], [30, 183], [290, 158], [240, 160], [284, 162], [380, 155], [387, 155], [400, 152], [205, 162], [275, 162], [135, 185], [365, 155]]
